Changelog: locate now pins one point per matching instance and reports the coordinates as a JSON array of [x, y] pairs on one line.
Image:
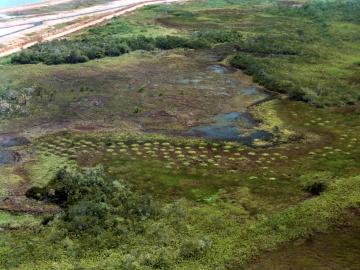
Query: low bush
[[270, 45], [192, 248], [90, 46], [315, 187], [316, 183], [214, 36]]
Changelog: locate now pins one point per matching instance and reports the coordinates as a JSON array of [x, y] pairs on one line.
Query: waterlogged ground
[[189, 135], [232, 126], [231, 160], [337, 249], [170, 92], [326, 144], [242, 182]]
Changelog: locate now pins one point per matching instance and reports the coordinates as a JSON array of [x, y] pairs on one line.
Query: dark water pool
[[233, 126], [17, 3], [10, 141], [9, 157]]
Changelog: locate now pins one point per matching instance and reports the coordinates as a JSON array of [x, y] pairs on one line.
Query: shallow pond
[[17, 3], [7, 141], [9, 157], [233, 126], [11, 141]]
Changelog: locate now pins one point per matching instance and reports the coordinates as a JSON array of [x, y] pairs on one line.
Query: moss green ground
[[227, 203]]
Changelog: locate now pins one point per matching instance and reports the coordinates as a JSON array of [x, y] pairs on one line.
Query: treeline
[[80, 51], [262, 75], [89, 48], [73, 51], [272, 45]]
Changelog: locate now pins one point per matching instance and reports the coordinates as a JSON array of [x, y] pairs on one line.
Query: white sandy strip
[[108, 17], [125, 9], [9, 28], [15, 28]]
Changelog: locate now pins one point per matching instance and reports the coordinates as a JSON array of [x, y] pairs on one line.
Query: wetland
[[198, 135]]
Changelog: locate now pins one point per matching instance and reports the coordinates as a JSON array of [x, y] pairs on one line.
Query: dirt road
[[17, 34]]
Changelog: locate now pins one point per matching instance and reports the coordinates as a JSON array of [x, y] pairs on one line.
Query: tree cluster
[[80, 51], [92, 203]]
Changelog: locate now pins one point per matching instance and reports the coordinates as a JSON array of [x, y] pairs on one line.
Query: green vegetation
[[71, 5], [107, 216], [10, 221], [60, 52], [11, 179], [92, 203], [225, 218], [99, 43], [306, 253], [312, 216], [311, 57], [307, 52], [45, 168], [106, 193]]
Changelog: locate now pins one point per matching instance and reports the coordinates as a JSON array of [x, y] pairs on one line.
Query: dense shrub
[[79, 51], [141, 43], [262, 75], [316, 183], [25, 57], [76, 56], [71, 51], [264, 44], [315, 188], [194, 247], [96, 51], [348, 10], [242, 61], [252, 67], [218, 36], [114, 49], [93, 203], [171, 42], [90, 46]]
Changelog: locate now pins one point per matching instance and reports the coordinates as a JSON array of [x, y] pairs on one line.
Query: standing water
[[224, 127], [17, 3]]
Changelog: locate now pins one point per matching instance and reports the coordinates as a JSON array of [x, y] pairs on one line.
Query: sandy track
[[15, 35]]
